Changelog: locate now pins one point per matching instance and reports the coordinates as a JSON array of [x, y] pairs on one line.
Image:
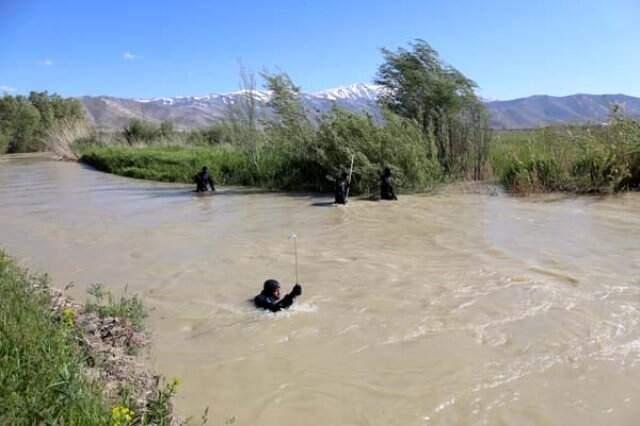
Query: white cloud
[[128, 56], [46, 62], [7, 89]]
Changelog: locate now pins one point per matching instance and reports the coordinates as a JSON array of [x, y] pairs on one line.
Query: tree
[[437, 96], [291, 120], [166, 129], [20, 125], [140, 131], [25, 122]]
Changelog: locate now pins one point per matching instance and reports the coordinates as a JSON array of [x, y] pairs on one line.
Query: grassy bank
[[305, 159], [41, 379], [584, 159], [58, 368], [171, 163]]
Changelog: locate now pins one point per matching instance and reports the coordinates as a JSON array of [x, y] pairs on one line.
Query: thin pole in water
[[353, 156], [295, 252]]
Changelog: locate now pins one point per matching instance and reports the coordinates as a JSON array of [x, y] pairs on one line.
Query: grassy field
[[569, 158]]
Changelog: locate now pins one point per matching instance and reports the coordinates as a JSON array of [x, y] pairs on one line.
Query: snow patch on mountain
[[352, 92]]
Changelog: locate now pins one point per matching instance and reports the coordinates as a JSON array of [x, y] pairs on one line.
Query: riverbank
[[69, 363], [572, 159], [578, 159], [230, 165]]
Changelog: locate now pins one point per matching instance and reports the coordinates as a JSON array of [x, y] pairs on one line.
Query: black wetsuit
[[386, 188], [272, 304], [342, 186], [203, 179]]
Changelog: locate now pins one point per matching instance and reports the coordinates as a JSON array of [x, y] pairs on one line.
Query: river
[[451, 308]]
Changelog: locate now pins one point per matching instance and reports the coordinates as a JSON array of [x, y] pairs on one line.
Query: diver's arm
[[287, 301], [284, 303]]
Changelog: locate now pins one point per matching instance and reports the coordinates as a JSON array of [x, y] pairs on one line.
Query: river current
[[458, 307]]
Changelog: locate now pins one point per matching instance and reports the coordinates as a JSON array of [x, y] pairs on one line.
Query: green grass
[[229, 165], [42, 362], [104, 304], [41, 379], [570, 158]]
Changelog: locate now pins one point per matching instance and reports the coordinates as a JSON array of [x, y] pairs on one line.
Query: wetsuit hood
[[269, 287]]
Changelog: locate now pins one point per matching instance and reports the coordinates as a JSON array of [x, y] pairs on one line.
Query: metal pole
[[353, 156], [295, 252]]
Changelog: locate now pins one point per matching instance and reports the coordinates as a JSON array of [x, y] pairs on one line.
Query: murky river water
[[445, 309]]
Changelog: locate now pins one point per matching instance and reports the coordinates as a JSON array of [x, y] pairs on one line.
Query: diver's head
[[205, 169], [271, 288], [343, 175], [387, 171]]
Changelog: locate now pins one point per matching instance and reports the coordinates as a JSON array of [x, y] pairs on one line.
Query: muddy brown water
[[453, 308]]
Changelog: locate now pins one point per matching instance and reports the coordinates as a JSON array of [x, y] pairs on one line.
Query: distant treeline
[[25, 121]]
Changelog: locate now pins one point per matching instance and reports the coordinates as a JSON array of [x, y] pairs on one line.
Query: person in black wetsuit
[[342, 186], [203, 180], [269, 298], [386, 186]]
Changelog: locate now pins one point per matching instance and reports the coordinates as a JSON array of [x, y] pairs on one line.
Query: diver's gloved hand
[[297, 290]]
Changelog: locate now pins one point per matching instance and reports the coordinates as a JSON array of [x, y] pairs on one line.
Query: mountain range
[[199, 111]]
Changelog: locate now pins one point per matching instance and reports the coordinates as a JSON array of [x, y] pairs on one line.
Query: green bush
[[570, 158]]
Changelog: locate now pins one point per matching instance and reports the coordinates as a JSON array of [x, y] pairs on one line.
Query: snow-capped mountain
[[200, 111], [354, 92]]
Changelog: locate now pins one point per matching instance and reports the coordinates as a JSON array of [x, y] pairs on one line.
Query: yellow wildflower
[[68, 317], [121, 415]]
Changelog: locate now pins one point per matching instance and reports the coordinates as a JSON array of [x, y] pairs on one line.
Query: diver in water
[[269, 298], [386, 185], [203, 180], [342, 188]]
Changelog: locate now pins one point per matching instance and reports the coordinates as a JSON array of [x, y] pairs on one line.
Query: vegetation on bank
[[27, 121], [280, 163], [434, 128], [585, 159], [41, 379], [61, 364]]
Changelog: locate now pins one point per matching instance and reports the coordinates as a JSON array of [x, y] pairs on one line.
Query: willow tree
[[441, 99], [290, 123]]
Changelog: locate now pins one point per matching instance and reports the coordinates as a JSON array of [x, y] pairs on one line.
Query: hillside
[[199, 111]]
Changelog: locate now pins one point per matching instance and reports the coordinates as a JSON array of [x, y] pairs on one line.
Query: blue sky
[[141, 48]]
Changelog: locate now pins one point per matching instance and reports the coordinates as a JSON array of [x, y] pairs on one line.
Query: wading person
[[342, 188], [386, 186], [203, 180], [269, 298]]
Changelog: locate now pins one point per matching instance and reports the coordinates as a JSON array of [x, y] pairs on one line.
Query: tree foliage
[[421, 87], [24, 121], [142, 131]]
